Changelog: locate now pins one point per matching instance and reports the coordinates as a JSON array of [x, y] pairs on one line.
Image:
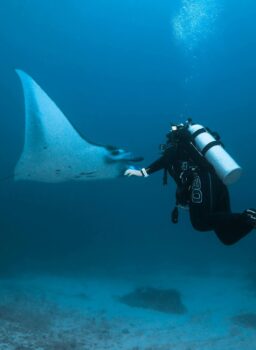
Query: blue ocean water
[[121, 71]]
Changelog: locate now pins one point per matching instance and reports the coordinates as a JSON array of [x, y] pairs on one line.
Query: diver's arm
[[157, 165], [162, 163], [145, 172]]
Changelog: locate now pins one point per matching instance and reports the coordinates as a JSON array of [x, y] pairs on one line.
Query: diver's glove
[[135, 172]]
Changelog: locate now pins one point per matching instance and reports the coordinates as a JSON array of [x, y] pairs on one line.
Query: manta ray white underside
[[54, 151]]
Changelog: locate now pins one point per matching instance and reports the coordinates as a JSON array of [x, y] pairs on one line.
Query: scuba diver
[[195, 158]]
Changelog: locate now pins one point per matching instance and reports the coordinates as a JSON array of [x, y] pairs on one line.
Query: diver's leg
[[229, 227], [201, 202], [210, 210]]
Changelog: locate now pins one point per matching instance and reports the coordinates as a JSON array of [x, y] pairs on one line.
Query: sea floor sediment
[[87, 313]]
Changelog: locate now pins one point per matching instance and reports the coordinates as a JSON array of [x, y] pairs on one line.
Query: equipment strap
[[210, 145], [198, 132], [165, 177], [175, 215]]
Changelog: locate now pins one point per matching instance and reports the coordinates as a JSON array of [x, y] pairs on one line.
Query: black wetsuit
[[206, 196]]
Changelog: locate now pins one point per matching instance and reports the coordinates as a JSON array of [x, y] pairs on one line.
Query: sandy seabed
[[85, 313]]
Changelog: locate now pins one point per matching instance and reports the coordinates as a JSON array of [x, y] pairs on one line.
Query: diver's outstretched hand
[[135, 172]]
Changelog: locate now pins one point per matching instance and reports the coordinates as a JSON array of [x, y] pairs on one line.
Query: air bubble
[[195, 21]]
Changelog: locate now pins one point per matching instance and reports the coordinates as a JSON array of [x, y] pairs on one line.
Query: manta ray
[[54, 151]]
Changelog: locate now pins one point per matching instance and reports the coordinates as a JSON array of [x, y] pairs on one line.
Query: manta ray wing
[[53, 150]]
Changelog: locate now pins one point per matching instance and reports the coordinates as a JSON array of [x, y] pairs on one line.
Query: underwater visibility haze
[[120, 73]]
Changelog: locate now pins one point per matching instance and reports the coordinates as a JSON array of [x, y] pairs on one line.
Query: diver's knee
[[227, 241], [200, 225]]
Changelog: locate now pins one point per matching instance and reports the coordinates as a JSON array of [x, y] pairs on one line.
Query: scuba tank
[[211, 149]]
